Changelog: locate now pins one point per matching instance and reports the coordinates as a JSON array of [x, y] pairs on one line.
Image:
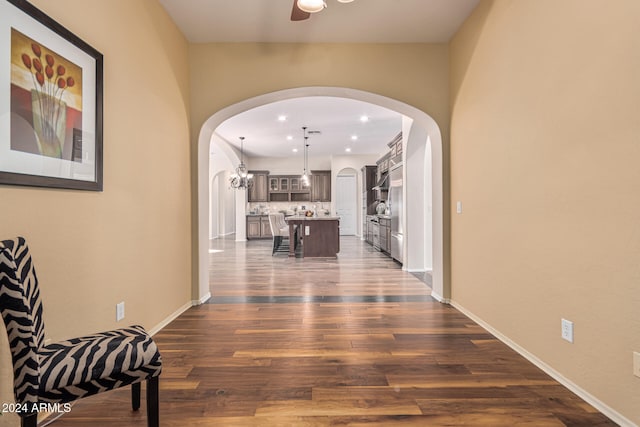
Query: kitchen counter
[[313, 218], [318, 235]]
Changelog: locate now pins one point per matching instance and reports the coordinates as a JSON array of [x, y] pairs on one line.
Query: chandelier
[[241, 179]]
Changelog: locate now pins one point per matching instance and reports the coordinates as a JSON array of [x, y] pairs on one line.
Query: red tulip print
[[26, 60], [49, 85], [36, 49]]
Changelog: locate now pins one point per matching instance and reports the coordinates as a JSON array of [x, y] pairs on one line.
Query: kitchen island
[[318, 235]]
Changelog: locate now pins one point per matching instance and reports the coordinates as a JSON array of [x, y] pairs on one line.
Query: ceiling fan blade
[[298, 14]]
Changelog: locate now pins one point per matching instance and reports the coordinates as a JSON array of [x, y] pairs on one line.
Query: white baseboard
[[170, 318], [586, 396], [186, 306], [202, 300], [440, 298]]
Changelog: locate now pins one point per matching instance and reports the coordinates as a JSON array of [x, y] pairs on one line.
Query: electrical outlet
[[459, 207], [119, 311], [567, 330], [636, 364]]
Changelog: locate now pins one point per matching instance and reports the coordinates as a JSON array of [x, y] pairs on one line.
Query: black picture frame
[[55, 86]]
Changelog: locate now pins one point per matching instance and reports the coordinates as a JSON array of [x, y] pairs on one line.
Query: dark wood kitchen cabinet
[[258, 227], [385, 235], [320, 186], [253, 227], [265, 227], [259, 192], [287, 188]]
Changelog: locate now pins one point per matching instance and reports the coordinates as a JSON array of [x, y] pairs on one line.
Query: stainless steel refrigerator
[[397, 210]]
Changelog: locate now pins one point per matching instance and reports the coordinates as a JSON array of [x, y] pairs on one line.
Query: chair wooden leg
[[153, 404], [29, 420], [135, 396]]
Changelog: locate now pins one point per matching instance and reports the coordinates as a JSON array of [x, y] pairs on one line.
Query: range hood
[[382, 184]]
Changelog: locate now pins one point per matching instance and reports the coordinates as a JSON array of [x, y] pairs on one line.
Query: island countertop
[[312, 218]]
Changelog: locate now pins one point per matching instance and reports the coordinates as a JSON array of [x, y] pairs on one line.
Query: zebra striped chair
[[69, 370]]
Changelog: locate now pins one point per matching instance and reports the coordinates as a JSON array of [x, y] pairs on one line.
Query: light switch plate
[[119, 311], [567, 330], [636, 364]]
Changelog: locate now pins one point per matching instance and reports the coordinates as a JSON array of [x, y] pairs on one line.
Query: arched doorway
[[420, 129], [222, 206]]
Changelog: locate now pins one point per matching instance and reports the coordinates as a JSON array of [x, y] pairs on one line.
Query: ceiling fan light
[[345, 1], [311, 6]]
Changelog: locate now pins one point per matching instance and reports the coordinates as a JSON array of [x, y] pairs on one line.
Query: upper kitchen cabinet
[[287, 188], [369, 180], [298, 184], [395, 150], [320, 186], [259, 192], [284, 184], [274, 184]]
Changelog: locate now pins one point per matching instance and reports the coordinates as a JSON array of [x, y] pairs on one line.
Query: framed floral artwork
[[50, 102]]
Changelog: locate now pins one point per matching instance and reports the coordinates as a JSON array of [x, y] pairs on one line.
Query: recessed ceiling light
[[282, 118], [354, 137], [295, 150], [348, 150], [289, 138], [364, 119]]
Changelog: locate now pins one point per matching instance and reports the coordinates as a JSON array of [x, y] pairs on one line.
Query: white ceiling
[[337, 119], [362, 21]]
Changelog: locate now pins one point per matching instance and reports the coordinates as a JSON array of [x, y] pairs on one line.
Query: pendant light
[[241, 179], [305, 139]]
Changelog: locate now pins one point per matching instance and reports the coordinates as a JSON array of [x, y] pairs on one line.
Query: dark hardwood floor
[[348, 342]]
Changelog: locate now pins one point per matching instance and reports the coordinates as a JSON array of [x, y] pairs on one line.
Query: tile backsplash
[[288, 207]]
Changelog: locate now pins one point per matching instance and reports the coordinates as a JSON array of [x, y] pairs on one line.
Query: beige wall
[[545, 158], [130, 242], [226, 73]]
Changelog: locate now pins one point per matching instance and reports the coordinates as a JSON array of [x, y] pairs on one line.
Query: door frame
[[349, 173]]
